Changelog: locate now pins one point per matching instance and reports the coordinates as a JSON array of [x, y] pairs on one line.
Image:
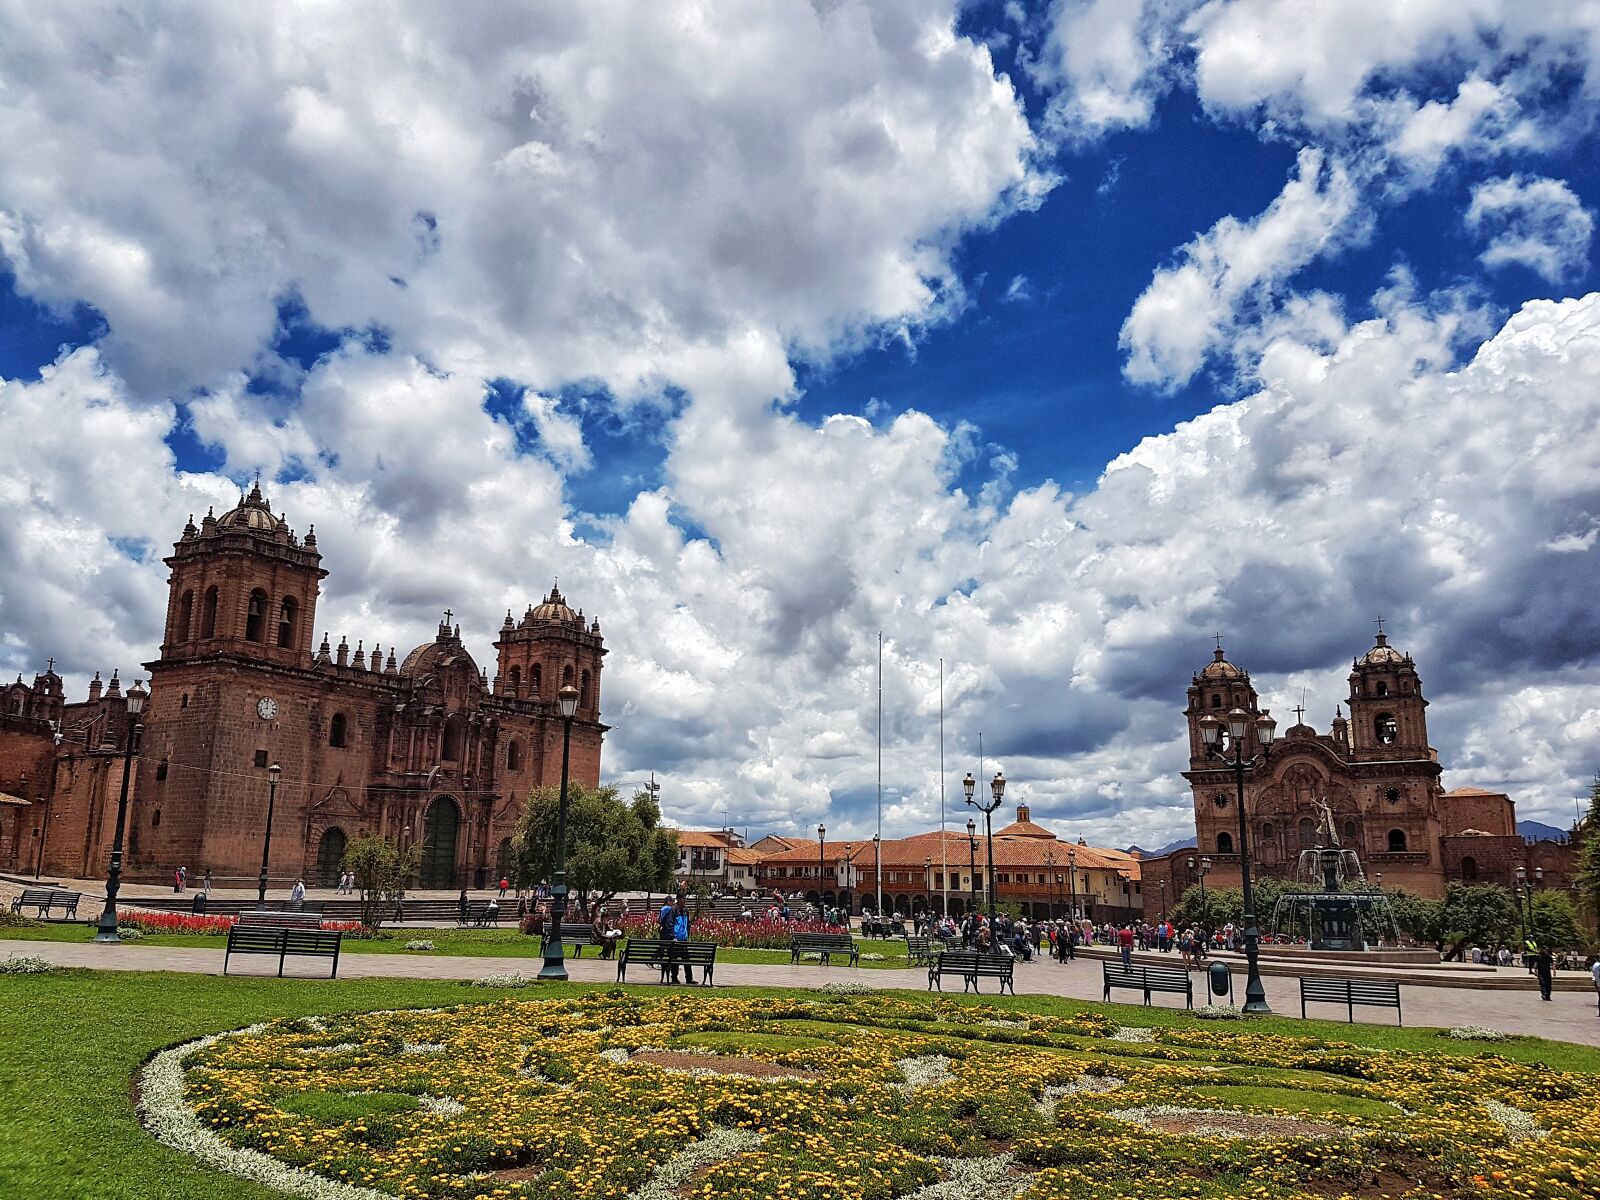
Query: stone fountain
[[1338, 918]]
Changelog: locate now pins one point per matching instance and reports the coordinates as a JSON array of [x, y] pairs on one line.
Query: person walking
[[1543, 968], [505, 886], [1124, 940], [680, 940]]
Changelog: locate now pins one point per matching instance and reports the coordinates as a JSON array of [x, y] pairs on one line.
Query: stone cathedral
[[414, 747]]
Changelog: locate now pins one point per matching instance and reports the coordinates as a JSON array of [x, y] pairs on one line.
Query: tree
[[1555, 921], [1210, 909], [1420, 919], [382, 871], [1480, 913], [612, 845], [1588, 874]]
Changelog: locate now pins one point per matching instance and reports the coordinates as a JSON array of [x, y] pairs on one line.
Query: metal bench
[[271, 939], [42, 900], [656, 953], [1148, 979], [972, 966], [262, 919], [1373, 993], [824, 944], [920, 950], [575, 935], [480, 914]]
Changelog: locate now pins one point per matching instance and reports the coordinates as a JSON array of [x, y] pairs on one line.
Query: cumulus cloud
[[1227, 274], [1536, 222]]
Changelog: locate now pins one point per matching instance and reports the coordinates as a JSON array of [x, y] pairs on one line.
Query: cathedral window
[[185, 627], [1224, 843], [1397, 841], [261, 759], [535, 681], [516, 681], [287, 612], [1349, 833], [1392, 795], [208, 614], [566, 675], [1220, 800], [1267, 831], [161, 770], [1308, 832], [338, 730], [1216, 700], [1386, 728], [583, 691], [155, 819], [1383, 688], [514, 755], [452, 739], [255, 617]]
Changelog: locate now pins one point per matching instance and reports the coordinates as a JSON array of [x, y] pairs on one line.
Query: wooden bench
[[480, 914], [824, 944], [574, 934], [656, 953], [275, 919], [270, 939], [42, 900], [920, 950], [972, 966], [1147, 979], [1374, 993]]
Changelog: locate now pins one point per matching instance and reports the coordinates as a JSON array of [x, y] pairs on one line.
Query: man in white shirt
[[1594, 973]]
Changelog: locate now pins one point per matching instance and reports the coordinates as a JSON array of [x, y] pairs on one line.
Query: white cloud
[[1230, 272], [1533, 221]]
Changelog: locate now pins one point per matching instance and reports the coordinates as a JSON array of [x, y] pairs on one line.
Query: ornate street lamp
[[108, 916], [555, 961], [273, 772], [1072, 877], [1163, 901], [997, 789], [877, 869], [1239, 724], [927, 882], [822, 832]]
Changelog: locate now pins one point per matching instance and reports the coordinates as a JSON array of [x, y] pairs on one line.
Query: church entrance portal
[[439, 830]]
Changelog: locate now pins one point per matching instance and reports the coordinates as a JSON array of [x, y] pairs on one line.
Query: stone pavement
[[1570, 1017]]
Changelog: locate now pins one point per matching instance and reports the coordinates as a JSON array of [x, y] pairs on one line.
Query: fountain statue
[[1337, 917]]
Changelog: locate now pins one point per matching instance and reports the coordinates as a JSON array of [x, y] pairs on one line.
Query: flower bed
[[748, 935], [171, 922], [854, 1098]]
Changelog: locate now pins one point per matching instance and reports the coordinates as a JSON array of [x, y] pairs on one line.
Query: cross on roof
[[1380, 624], [49, 664], [1299, 711], [1218, 638], [447, 615]]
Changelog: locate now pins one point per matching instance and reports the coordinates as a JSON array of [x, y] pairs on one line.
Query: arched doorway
[[330, 857], [439, 828]]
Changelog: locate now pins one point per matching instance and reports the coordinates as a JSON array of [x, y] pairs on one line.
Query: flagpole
[[878, 857], [944, 850]]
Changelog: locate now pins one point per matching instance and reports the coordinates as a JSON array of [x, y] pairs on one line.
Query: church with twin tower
[[414, 747]]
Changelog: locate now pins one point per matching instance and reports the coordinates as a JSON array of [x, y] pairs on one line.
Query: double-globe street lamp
[[273, 772], [1232, 753], [972, 860], [1525, 901], [877, 872], [997, 789], [822, 832], [107, 931], [555, 962]]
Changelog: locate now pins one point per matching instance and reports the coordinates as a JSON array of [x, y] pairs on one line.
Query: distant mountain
[[1533, 831], [1167, 849]]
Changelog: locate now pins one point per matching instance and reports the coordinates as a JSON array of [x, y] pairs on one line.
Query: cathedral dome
[[1220, 668], [554, 608], [1382, 653], [444, 652], [252, 512]]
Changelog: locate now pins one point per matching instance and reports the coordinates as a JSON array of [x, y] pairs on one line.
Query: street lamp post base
[[1257, 1008], [554, 969], [107, 937]]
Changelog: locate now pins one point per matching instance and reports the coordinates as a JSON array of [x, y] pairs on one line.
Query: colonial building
[[1373, 771], [414, 748]]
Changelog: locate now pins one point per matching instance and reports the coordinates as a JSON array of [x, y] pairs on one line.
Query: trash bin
[[199, 903]]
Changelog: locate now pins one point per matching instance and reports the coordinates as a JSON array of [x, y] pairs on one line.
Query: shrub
[[746, 935], [14, 965], [16, 920], [419, 944]]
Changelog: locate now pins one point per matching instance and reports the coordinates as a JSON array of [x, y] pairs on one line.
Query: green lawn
[[470, 943], [71, 1041]]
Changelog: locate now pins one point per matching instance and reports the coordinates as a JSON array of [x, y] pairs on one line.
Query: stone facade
[[421, 748], [1373, 770]]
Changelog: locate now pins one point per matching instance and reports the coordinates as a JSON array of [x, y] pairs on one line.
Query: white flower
[[24, 965], [443, 1105], [1475, 1033], [419, 944], [1519, 1126], [928, 1070], [1132, 1033], [717, 1146], [846, 987]]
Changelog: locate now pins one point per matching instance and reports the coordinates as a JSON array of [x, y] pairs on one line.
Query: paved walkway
[[1571, 1016]]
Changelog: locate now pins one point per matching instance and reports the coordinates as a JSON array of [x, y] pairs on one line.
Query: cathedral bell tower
[[242, 583], [549, 648], [1218, 688], [1387, 717]]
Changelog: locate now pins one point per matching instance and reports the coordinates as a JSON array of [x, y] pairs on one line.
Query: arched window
[[287, 611], [1386, 728], [161, 770], [1397, 841], [1266, 831], [1383, 688], [1469, 869], [1349, 833], [583, 691], [514, 755], [516, 681], [338, 730], [185, 629], [1216, 700], [537, 678], [1224, 843], [255, 617], [566, 675], [208, 614], [155, 819], [452, 739], [1308, 833]]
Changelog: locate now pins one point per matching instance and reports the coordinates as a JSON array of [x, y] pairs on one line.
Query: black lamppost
[[108, 916], [1205, 869], [997, 789], [927, 883], [1525, 900], [972, 859], [822, 832], [877, 869], [1163, 901], [1255, 994], [266, 840], [1072, 877], [555, 961]]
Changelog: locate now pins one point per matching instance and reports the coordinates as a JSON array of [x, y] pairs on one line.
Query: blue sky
[[1045, 338]]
